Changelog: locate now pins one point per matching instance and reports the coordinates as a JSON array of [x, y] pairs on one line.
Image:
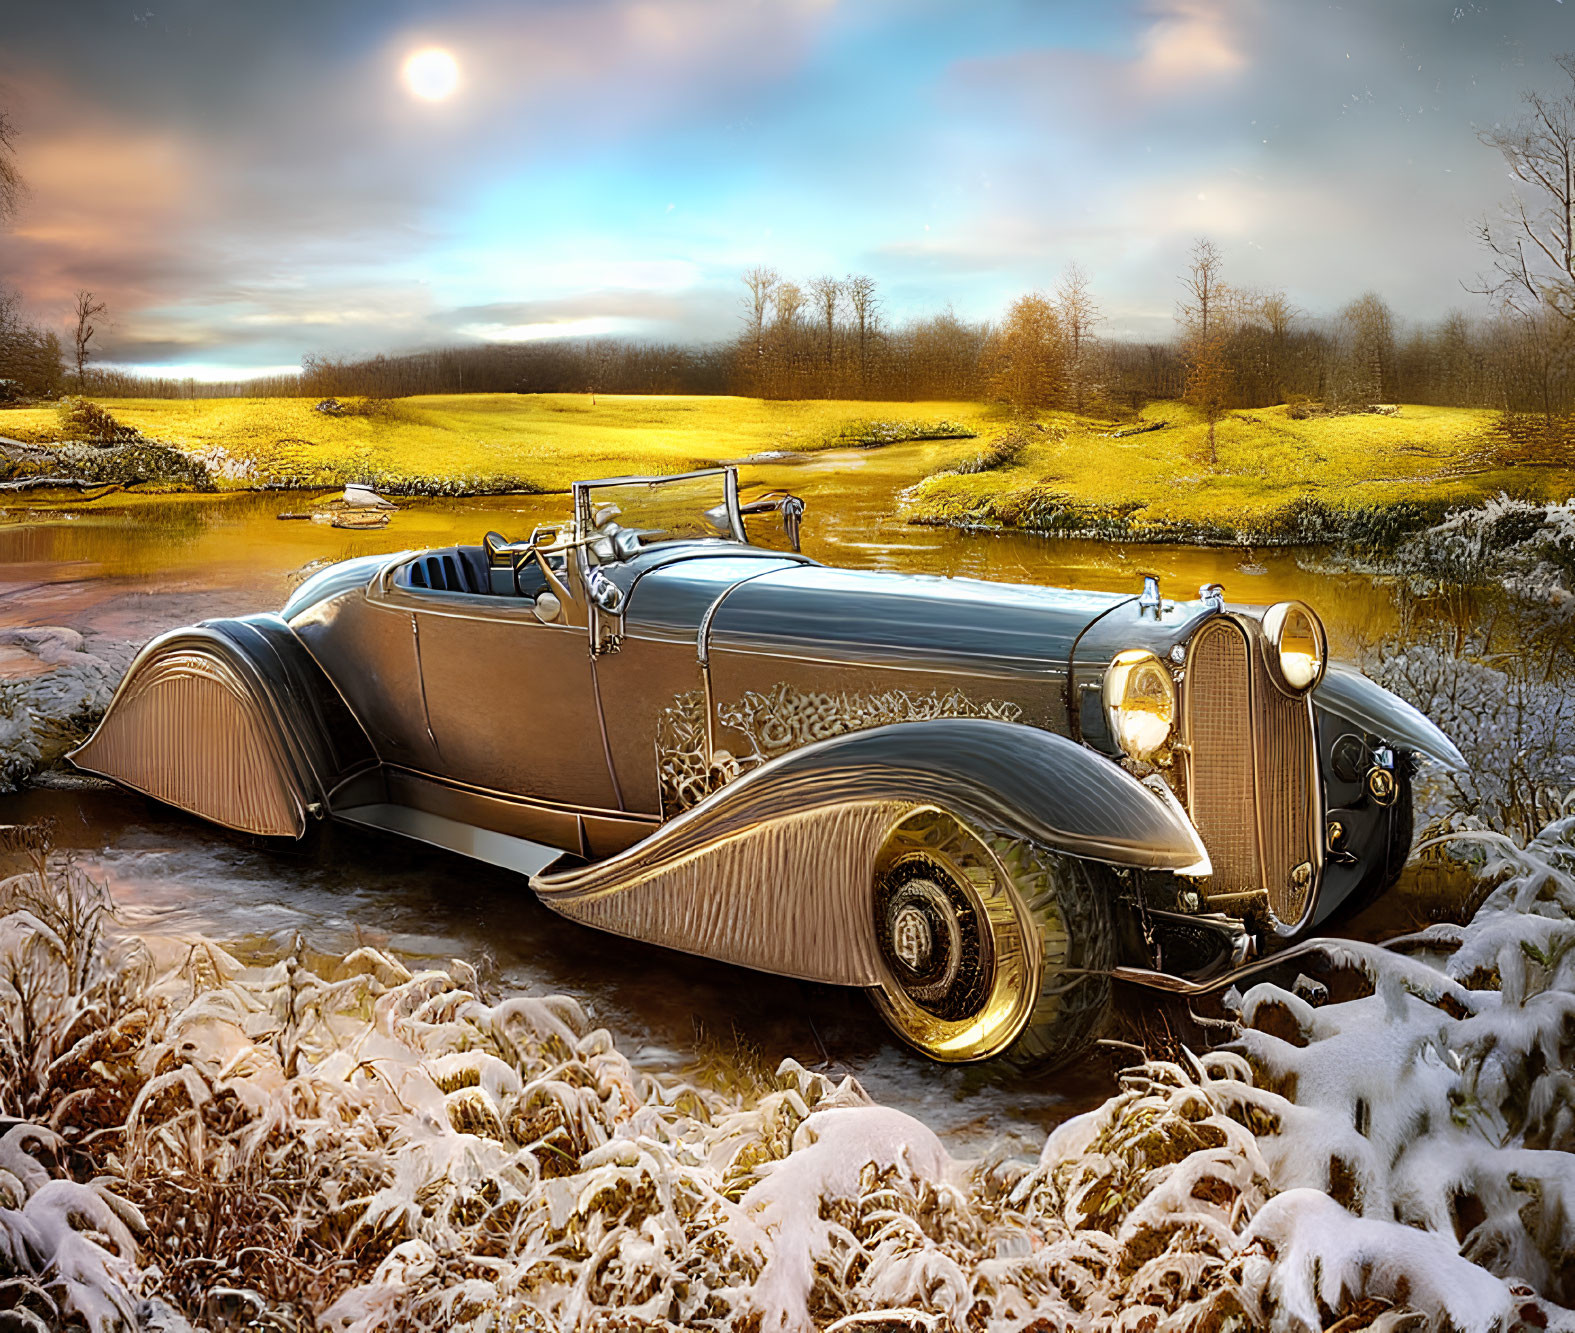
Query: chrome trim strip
[[421, 682], [1074, 709], [703, 650], [1033, 668], [523, 802], [1165, 981], [601, 725]]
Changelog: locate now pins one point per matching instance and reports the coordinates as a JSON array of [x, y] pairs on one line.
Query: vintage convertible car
[[980, 801]]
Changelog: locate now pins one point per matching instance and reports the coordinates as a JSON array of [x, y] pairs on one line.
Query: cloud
[[1187, 41], [251, 182], [271, 184]]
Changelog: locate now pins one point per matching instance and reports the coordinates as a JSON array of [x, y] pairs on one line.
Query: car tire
[[1072, 903], [993, 947]]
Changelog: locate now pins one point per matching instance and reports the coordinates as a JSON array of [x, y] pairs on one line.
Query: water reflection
[[237, 544]]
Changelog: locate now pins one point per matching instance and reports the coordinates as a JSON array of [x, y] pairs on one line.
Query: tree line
[[1233, 349]]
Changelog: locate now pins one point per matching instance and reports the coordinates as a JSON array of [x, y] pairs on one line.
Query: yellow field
[[542, 441], [1068, 473], [1267, 464]]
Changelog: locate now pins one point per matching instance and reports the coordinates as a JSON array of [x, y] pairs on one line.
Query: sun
[[432, 74]]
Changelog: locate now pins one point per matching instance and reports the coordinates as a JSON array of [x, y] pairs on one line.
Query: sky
[[247, 181]]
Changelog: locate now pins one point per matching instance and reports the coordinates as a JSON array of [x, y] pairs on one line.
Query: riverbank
[[1362, 481], [478, 444]]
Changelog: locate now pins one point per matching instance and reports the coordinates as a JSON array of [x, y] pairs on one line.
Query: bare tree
[[1369, 345], [1205, 313], [1278, 316], [782, 371], [88, 307], [1204, 291], [29, 356], [789, 303], [826, 293], [865, 306], [1532, 240], [945, 357], [601, 359], [1079, 316], [10, 177], [761, 284]]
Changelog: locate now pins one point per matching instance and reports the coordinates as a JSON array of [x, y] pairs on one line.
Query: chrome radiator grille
[[1249, 782]]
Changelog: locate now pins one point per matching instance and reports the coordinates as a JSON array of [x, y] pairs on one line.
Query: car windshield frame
[[586, 501]]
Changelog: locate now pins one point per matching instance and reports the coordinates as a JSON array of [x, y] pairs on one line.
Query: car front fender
[[774, 871], [1347, 693]]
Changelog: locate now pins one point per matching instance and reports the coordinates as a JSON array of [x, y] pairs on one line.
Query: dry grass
[[1277, 479], [541, 442], [1275, 475]]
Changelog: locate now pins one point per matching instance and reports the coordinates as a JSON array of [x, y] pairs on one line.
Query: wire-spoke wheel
[[992, 947]]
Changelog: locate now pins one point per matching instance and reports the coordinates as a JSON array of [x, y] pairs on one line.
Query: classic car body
[[979, 801]]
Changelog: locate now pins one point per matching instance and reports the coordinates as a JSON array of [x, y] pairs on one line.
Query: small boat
[[359, 496]]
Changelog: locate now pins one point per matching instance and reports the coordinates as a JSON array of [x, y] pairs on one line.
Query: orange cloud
[[1187, 41], [103, 191]]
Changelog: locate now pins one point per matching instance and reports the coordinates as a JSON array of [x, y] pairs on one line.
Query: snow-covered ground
[[393, 1150], [50, 692]]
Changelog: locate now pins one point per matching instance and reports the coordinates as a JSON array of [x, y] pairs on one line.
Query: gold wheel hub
[[955, 938]]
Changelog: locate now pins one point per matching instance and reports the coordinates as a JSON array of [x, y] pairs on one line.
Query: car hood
[[865, 615]]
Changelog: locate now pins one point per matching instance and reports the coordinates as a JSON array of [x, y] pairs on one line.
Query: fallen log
[[59, 483], [1137, 430]]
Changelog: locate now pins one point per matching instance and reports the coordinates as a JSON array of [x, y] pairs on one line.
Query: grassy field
[[469, 442], [1275, 476]]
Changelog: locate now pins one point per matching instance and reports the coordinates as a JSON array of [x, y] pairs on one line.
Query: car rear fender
[[232, 720], [774, 871]]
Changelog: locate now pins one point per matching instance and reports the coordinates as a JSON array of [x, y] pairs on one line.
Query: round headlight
[[1297, 649], [1140, 703]]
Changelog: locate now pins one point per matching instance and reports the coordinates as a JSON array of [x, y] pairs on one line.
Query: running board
[[498, 849]]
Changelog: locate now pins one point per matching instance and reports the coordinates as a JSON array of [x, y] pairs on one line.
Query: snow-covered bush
[[19, 748], [45, 710], [344, 1143], [1441, 1102], [219, 464], [1514, 725], [1525, 547]]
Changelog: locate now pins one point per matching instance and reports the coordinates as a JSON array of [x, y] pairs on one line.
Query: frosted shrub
[[19, 748], [1515, 727], [221, 465], [1440, 1102], [373, 1148], [1524, 547], [349, 1144], [43, 712]]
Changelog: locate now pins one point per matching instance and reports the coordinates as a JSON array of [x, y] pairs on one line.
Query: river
[[123, 568]]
